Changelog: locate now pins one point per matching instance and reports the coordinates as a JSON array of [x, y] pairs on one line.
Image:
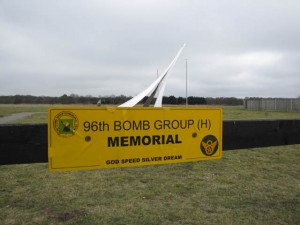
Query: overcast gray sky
[[234, 48]]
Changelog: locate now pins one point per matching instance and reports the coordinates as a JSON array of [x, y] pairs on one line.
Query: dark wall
[[28, 143], [23, 144], [262, 133]]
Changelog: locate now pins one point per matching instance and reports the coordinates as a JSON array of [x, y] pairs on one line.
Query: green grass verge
[[229, 113], [33, 119], [239, 113], [8, 109], [258, 186]]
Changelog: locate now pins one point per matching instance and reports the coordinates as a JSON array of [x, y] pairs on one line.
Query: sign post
[[89, 138]]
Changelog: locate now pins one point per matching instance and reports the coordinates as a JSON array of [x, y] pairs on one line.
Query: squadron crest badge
[[209, 145], [65, 123]]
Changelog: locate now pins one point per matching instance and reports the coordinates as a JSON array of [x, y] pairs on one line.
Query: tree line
[[114, 100]]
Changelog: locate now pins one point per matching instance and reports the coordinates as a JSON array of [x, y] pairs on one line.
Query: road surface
[[15, 116]]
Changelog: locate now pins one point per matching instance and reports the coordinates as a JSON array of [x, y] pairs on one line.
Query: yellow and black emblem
[[65, 123], [209, 145]]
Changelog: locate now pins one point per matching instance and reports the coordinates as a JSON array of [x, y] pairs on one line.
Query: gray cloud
[[234, 48]]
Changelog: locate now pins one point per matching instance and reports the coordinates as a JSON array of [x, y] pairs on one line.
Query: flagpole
[[186, 98]]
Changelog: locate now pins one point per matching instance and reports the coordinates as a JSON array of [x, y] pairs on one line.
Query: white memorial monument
[[156, 89]]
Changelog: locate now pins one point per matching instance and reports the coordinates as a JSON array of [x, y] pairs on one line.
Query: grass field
[[229, 113], [253, 186], [39, 117], [258, 186]]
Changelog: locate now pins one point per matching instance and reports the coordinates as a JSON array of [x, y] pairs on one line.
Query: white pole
[[186, 98]]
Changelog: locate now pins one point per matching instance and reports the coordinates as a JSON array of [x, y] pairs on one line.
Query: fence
[[28, 143], [273, 104]]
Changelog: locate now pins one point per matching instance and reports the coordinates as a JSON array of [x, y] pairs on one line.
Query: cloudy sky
[[233, 48]]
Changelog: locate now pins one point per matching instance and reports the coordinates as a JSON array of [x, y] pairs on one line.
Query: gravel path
[[15, 116]]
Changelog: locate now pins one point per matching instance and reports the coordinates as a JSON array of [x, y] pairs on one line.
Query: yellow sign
[[90, 137]]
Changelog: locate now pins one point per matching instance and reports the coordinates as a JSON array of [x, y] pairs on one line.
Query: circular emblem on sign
[[65, 123], [209, 145]]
